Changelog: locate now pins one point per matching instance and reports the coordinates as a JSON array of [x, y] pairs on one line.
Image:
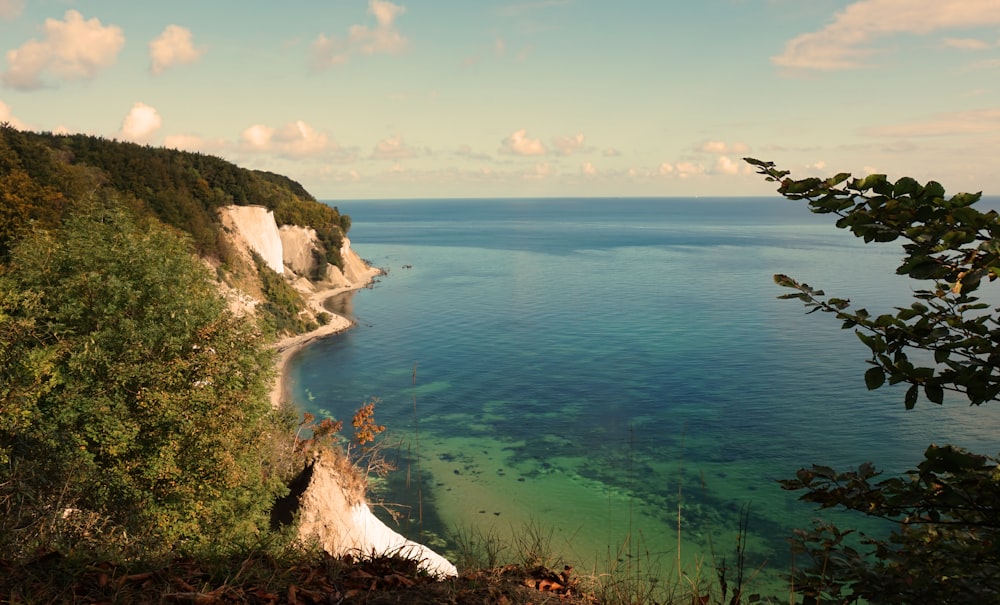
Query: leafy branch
[[947, 243]]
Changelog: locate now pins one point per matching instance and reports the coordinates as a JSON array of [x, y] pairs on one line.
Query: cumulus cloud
[[848, 41], [383, 39], [141, 123], [295, 139], [726, 165], [392, 148], [173, 47], [519, 143], [611, 152], [689, 169], [11, 9], [665, 169], [723, 148], [568, 145], [540, 172], [588, 169], [7, 117], [71, 49]]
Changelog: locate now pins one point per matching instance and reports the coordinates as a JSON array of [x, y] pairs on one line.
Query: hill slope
[[44, 177]]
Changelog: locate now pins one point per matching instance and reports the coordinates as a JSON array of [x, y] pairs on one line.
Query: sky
[[360, 99]]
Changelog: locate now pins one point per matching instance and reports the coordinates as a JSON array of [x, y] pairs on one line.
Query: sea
[[615, 381]]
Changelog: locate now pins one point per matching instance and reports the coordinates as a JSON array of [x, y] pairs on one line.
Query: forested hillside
[[43, 176], [135, 411]]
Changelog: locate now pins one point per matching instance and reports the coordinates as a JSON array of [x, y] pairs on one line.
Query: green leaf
[[836, 180], [933, 189], [934, 392], [874, 378], [874, 342], [803, 186], [869, 182], [905, 186], [911, 397]]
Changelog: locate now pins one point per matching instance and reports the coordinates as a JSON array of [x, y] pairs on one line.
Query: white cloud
[[141, 123], [541, 171], [974, 122], [611, 152], [568, 145], [665, 169], [383, 39], [392, 148], [6, 116], [258, 137], [71, 49], [588, 169], [11, 9], [689, 169], [848, 41], [295, 139], [519, 143], [173, 47], [726, 165], [723, 148]]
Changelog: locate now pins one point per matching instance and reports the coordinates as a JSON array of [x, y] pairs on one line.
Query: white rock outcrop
[[297, 246], [255, 224], [355, 269], [338, 518]]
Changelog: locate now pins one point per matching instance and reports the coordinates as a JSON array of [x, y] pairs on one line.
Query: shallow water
[[592, 367]]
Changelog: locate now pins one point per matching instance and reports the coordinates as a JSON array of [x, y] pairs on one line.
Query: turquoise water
[[594, 367]]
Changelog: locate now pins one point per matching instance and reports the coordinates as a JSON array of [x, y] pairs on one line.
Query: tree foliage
[[946, 511], [127, 385], [950, 246], [42, 175]]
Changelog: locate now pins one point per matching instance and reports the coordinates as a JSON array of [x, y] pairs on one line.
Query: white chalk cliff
[[333, 514], [328, 498], [255, 224]]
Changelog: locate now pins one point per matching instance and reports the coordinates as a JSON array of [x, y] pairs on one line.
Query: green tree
[[945, 547], [129, 387]]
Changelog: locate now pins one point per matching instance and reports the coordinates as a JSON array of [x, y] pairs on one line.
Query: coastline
[[288, 346]]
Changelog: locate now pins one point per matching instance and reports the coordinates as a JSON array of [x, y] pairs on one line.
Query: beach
[[288, 346]]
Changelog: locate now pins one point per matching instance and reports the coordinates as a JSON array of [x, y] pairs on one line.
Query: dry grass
[[266, 578]]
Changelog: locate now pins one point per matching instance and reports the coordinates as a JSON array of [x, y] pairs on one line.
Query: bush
[[129, 387]]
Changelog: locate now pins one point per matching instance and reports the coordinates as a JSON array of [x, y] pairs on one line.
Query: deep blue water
[[593, 366]]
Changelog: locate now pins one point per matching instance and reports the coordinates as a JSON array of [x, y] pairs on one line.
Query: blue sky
[[508, 98]]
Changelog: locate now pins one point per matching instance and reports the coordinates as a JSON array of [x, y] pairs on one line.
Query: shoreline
[[288, 346]]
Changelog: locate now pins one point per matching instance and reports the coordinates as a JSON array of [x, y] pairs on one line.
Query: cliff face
[[332, 511], [256, 226], [297, 246], [328, 496], [295, 252]]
